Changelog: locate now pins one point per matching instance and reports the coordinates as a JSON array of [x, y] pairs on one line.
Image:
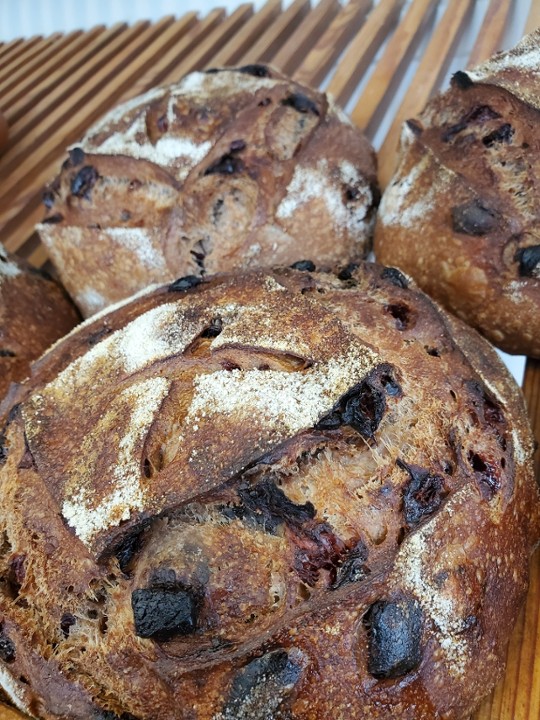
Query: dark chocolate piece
[[306, 265], [7, 647], [502, 134], [84, 181], [226, 165], [301, 104], [346, 273], [462, 80], [185, 283], [261, 686], [477, 114], [53, 219], [353, 569], [163, 612], [256, 70], [394, 636], [473, 218], [529, 261], [267, 506], [395, 276]]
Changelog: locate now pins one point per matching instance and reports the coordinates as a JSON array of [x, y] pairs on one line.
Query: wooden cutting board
[[52, 89]]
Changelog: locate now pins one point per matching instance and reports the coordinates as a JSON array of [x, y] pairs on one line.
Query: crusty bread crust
[[226, 169], [34, 312], [462, 210], [276, 494]]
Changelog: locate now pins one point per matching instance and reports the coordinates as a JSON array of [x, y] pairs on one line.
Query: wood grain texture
[[392, 62], [345, 26], [490, 37], [360, 53], [53, 88], [306, 36]]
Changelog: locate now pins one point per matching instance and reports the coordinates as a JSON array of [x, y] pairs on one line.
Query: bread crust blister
[[277, 494]]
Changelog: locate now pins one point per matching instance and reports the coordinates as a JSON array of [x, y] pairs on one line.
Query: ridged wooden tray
[[53, 88]]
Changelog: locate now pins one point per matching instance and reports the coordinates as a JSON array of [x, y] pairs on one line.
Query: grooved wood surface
[[53, 88]]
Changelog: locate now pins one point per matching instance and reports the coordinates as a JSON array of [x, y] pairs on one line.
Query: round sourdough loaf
[[34, 312], [462, 212], [227, 169], [278, 494]]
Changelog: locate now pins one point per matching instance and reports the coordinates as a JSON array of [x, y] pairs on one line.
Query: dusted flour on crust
[[227, 169], [461, 213], [274, 494]]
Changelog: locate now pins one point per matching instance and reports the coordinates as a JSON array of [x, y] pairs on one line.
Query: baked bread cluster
[[277, 494], [34, 312], [229, 168], [462, 212]]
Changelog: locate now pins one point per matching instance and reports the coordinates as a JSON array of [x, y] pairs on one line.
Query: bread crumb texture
[[286, 494]]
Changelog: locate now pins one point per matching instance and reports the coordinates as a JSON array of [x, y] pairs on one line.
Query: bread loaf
[[279, 494], [34, 312], [462, 212], [227, 169]]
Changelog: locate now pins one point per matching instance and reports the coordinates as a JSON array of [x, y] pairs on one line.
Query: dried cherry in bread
[[259, 495]]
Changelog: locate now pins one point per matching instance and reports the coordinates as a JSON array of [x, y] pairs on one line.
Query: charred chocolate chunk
[[256, 69], [423, 494], [415, 126], [260, 688], [395, 276], [53, 219], [529, 261], [76, 156], [214, 329], [7, 647], [473, 218], [353, 569], [346, 273], [4, 352], [185, 283], [306, 265], [267, 506], [301, 103], [462, 80], [226, 165], [127, 550], [394, 636], [163, 612], [502, 134], [84, 181], [486, 403], [477, 114]]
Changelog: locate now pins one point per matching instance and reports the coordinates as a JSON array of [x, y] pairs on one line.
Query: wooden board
[[52, 89]]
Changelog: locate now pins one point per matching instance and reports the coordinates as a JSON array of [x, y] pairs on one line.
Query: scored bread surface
[[226, 169], [272, 495], [461, 213]]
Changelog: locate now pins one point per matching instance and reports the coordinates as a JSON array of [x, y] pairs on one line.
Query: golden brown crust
[[34, 312], [461, 212], [227, 169], [277, 492]]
